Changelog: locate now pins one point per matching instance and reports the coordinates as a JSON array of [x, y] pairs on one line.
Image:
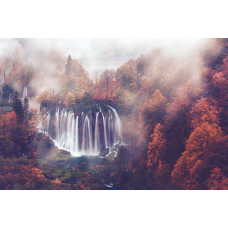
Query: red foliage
[[200, 149], [217, 181]]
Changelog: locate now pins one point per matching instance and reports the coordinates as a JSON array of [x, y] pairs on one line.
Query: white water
[[105, 131], [25, 92], [85, 134], [9, 100]]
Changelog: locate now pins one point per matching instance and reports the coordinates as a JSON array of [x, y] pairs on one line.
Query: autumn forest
[[152, 116]]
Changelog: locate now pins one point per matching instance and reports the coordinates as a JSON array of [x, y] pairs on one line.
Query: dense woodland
[[173, 108]]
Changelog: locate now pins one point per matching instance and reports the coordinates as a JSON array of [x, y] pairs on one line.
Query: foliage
[[174, 112]]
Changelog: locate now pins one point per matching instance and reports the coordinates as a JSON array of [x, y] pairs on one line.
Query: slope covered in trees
[[174, 113]]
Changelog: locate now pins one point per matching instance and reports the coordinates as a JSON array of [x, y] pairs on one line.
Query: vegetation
[[174, 112]]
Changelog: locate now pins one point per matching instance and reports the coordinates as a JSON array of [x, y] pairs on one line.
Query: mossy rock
[[104, 152], [56, 154], [111, 156]]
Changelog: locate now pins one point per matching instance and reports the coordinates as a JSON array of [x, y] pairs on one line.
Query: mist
[[46, 58], [95, 55]]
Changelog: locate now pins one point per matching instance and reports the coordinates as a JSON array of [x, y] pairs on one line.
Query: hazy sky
[[96, 55]]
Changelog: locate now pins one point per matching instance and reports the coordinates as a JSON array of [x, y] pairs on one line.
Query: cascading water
[[84, 134], [118, 128], [25, 92], [9, 100]]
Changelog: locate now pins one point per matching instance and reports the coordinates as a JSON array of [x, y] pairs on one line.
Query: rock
[[104, 152], [56, 154]]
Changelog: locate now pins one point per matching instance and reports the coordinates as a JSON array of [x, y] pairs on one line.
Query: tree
[[106, 77], [156, 162], [193, 167], [46, 98], [68, 66], [70, 99], [151, 113], [6, 91], [17, 107], [106, 87], [156, 147], [203, 111], [25, 109], [127, 74], [8, 122], [177, 122], [216, 180]]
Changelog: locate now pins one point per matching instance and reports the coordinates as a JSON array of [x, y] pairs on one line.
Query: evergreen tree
[[6, 91], [17, 107], [69, 59], [25, 109]]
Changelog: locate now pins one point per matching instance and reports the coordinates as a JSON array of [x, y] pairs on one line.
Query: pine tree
[[25, 109], [69, 59], [68, 66], [17, 107]]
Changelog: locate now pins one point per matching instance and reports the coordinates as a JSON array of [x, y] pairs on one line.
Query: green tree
[[25, 109], [18, 107]]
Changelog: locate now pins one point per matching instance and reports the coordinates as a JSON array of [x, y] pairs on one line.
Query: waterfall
[[48, 121], [105, 131], [9, 100], [76, 149], [25, 92], [87, 147], [84, 134], [96, 137], [118, 126]]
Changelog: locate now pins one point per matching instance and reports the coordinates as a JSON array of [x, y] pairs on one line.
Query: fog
[[46, 58], [95, 55]]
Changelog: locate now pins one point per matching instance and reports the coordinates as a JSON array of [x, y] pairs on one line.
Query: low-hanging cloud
[[47, 57]]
